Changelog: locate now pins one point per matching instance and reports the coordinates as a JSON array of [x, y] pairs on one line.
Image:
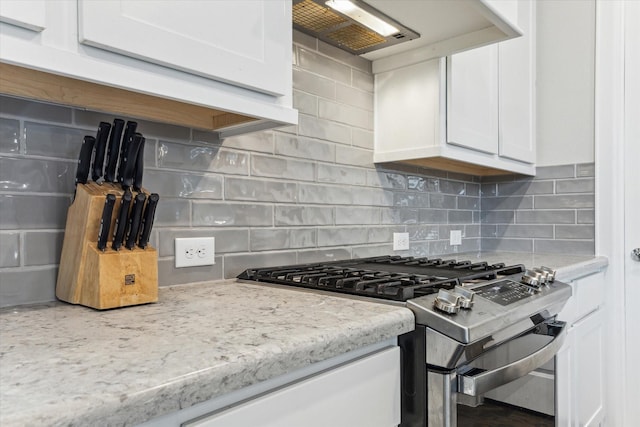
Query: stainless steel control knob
[[551, 273], [466, 297], [530, 278], [543, 276], [447, 301]]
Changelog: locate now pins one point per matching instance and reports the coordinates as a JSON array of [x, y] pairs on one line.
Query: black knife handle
[[113, 150], [105, 221], [147, 220], [139, 167], [130, 161], [101, 146], [84, 160], [134, 220], [121, 221], [129, 133]]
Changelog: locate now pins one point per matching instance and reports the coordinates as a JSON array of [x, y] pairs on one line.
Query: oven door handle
[[484, 381]]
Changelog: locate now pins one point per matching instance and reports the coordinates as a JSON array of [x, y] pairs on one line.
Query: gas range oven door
[[511, 360], [452, 394]]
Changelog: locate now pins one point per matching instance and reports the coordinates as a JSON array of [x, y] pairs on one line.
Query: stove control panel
[[504, 292]]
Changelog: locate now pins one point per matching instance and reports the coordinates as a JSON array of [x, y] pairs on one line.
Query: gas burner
[[390, 277]]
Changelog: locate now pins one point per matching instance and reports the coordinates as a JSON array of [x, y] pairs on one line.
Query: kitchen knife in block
[[105, 222], [101, 147], [139, 168], [129, 161], [113, 150], [147, 220], [84, 160], [121, 221], [134, 221], [129, 133], [102, 279]]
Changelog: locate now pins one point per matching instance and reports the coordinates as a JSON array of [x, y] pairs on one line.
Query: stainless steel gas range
[[473, 321]]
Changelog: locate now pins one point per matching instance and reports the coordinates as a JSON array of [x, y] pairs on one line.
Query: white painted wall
[[565, 48]]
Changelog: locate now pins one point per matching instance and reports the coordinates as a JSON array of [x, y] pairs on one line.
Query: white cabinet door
[[588, 360], [516, 59], [28, 14], [362, 393], [565, 382], [472, 99], [242, 42], [580, 362]]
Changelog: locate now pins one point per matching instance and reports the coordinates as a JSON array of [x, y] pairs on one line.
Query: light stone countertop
[[62, 364], [568, 267]]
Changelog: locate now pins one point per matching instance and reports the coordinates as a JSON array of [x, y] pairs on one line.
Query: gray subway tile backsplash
[[49, 140], [305, 193], [223, 214], [26, 109], [9, 136], [546, 216], [575, 186], [9, 249], [178, 184], [279, 167], [557, 246], [259, 190], [42, 247], [20, 212], [561, 171], [569, 201], [28, 285], [26, 175], [327, 130], [263, 239]]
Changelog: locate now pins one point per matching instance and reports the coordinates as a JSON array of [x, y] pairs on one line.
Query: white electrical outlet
[[455, 237], [195, 251], [400, 241]]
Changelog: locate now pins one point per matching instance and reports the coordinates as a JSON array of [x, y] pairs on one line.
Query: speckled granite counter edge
[[585, 268], [116, 403]]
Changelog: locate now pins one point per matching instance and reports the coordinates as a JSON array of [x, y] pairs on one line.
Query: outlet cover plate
[[195, 251], [455, 237], [400, 241]]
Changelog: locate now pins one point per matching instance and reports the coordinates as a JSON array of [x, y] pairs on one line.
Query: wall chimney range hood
[[433, 28]]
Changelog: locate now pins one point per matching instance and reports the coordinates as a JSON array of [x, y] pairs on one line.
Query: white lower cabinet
[[359, 388], [361, 393], [580, 361]]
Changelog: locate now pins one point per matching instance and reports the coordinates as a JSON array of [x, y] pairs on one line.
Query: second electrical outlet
[[400, 241], [195, 251]]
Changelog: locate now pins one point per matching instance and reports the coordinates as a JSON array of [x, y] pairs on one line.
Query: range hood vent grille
[[316, 19]]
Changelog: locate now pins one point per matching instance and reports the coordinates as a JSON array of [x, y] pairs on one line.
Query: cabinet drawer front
[[587, 297], [590, 294], [362, 393], [246, 43]]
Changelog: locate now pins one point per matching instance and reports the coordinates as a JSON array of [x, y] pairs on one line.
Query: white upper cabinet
[[490, 106], [472, 99], [517, 90], [237, 42], [22, 13], [224, 66], [481, 119]]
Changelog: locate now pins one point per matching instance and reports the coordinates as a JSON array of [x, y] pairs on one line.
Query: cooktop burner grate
[[391, 277]]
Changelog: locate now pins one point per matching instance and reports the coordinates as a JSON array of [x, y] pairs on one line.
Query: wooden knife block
[[102, 279]]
